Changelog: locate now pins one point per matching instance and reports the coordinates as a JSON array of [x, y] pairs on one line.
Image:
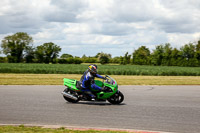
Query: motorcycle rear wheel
[[69, 99], [117, 98]]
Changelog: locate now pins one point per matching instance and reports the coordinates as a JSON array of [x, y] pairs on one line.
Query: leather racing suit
[[87, 80]]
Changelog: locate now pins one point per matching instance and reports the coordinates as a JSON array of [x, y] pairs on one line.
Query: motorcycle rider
[[87, 80]]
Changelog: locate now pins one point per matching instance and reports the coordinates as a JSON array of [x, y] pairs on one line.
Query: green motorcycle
[[74, 92]]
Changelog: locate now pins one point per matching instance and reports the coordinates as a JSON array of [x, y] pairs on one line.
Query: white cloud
[[182, 39], [112, 26], [100, 40], [77, 28]]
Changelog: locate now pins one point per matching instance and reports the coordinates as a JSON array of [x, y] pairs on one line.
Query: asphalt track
[[155, 108]]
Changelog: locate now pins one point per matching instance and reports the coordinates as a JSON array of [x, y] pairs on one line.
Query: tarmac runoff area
[[145, 109]]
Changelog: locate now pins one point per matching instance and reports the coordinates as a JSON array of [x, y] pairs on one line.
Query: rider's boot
[[92, 96]]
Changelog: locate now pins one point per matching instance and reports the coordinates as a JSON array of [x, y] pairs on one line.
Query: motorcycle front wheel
[[117, 98]]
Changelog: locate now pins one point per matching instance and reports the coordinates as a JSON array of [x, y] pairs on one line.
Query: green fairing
[[71, 84]]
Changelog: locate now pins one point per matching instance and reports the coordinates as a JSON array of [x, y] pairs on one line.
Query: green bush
[[3, 59], [69, 60], [90, 60]]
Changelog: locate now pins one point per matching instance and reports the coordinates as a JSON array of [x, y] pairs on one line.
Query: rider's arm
[[99, 76]]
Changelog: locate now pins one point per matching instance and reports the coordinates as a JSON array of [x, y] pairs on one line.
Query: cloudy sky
[[111, 26]]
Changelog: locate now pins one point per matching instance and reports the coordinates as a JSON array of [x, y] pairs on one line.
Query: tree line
[[19, 48]]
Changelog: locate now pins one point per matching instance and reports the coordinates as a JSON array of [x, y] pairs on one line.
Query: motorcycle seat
[[78, 85]]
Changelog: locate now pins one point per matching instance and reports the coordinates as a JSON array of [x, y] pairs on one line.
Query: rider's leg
[[91, 95], [88, 92], [95, 87]]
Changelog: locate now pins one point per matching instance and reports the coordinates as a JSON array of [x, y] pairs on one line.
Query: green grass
[[57, 79], [24, 129], [103, 69]]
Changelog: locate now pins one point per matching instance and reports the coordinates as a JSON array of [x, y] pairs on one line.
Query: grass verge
[[57, 79], [102, 69], [24, 129]]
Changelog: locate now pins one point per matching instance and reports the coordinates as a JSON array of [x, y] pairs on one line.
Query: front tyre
[[117, 98]]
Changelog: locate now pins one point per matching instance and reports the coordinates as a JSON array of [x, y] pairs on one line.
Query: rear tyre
[[69, 99], [117, 98]]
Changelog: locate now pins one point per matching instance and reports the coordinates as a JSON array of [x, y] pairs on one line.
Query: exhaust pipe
[[69, 95]]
